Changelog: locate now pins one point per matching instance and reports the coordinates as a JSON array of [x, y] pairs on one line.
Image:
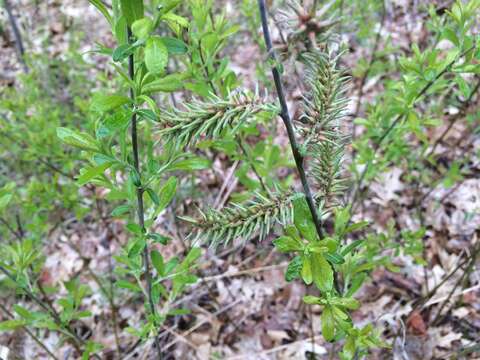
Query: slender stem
[[140, 210], [284, 114], [109, 293], [32, 335], [438, 319], [16, 34], [364, 78], [251, 160], [12, 230]]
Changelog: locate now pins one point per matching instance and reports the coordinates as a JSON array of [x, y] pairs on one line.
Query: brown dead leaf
[[415, 323]]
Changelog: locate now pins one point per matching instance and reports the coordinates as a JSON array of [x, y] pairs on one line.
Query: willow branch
[[140, 208], [284, 114]]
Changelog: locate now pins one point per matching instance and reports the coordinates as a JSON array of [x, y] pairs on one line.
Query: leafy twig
[[462, 112], [77, 340], [140, 210], [393, 125]]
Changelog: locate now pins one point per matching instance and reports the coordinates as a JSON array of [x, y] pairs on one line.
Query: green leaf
[[103, 9], [156, 55], [311, 300], [342, 217], [191, 164], [171, 265], [192, 255], [11, 324], [147, 114], [153, 196], [168, 5], [159, 238], [230, 31], [77, 139], [357, 282], [24, 313], [91, 348], [330, 243], [334, 258], [92, 172], [349, 348], [322, 272], [167, 192], [350, 247], [307, 270], [450, 35], [82, 314], [356, 226], [292, 231], [141, 28], [176, 22], [287, 244], [157, 262], [175, 46], [177, 312], [120, 30], [123, 51], [120, 210], [134, 177], [168, 83], [293, 269], [339, 313], [124, 284], [105, 103], [134, 229], [4, 200], [132, 10], [347, 302], [328, 324], [303, 220], [136, 246]]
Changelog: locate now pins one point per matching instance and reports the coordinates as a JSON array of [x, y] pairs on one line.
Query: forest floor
[[242, 307]]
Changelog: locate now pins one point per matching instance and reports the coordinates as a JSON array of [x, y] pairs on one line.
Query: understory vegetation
[[239, 179]]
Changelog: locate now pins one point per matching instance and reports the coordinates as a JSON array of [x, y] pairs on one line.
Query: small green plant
[[144, 189]]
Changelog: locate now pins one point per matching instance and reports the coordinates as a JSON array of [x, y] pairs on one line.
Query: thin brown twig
[[438, 318], [11, 229], [432, 292], [17, 35], [108, 293], [364, 78], [30, 333]]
